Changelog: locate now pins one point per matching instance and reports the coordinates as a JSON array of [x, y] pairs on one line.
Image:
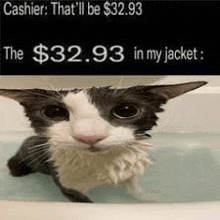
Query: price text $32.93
[[122, 8], [74, 53]]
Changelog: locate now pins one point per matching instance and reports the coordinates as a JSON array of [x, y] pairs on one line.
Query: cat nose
[[90, 139]]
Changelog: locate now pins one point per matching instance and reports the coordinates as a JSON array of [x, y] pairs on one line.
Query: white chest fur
[[81, 170], [123, 157]]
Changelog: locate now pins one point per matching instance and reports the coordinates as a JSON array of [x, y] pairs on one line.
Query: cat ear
[[22, 95], [172, 91], [18, 95]]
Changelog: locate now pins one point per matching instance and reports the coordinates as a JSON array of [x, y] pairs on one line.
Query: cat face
[[96, 119]]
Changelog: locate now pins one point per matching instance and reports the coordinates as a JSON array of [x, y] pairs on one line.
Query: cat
[[91, 137]]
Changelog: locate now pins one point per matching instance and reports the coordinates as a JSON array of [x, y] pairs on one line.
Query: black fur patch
[[105, 99], [18, 168], [36, 101]]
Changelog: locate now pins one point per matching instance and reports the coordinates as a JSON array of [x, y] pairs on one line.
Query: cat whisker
[[118, 85], [122, 91], [41, 160], [128, 90], [37, 149], [61, 141], [43, 95], [39, 145], [118, 145], [142, 148], [37, 158], [142, 136], [31, 155], [52, 87]]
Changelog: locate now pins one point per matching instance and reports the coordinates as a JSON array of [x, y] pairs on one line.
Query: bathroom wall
[[60, 81], [196, 111]]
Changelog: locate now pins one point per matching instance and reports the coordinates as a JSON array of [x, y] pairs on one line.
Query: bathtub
[[182, 182]]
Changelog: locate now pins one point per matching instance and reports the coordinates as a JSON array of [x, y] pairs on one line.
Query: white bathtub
[[193, 113]]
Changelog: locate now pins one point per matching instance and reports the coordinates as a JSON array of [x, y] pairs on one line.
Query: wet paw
[[76, 196], [18, 168]]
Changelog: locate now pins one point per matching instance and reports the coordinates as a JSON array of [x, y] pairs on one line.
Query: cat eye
[[126, 111], [55, 113]]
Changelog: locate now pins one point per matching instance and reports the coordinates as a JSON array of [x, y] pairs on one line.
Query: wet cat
[[86, 138]]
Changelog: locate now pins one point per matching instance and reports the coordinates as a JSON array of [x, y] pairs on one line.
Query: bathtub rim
[[57, 210]]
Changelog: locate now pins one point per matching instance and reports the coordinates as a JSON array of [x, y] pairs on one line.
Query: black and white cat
[[86, 138]]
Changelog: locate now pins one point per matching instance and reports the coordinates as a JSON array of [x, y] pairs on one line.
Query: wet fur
[[75, 170]]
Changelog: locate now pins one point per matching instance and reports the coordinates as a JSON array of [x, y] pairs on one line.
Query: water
[[186, 168]]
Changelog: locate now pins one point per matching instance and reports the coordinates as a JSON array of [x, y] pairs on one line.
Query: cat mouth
[[94, 149]]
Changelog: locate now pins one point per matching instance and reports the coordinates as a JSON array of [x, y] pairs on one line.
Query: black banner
[[110, 37]]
